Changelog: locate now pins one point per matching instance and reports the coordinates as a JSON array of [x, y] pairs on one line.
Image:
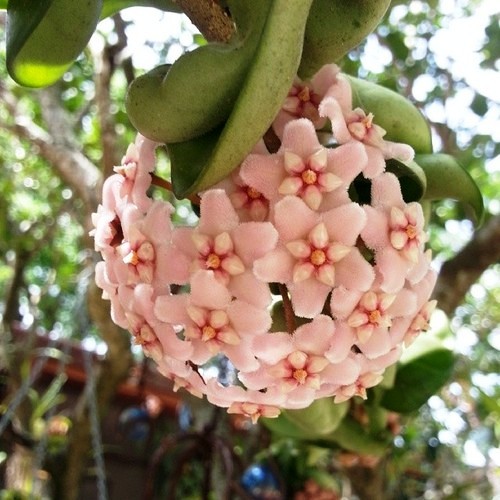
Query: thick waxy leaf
[[446, 178], [270, 76], [402, 121], [198, 92], [334, 27], [418, 379], [111, 7], [319, 419], [411, 177], [44, 38]]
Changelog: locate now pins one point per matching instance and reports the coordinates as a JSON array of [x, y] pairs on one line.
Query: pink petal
[[343, 302], [347, 160], [294, 219], [248, 288], [248, 319], [172, 309], [208, 292], [315, 337], [393, 269], [344, 223], [354, 272], [330, 108], [377, 345], [217, 213], [345, 372], [263, 173], [252, 240], [341, 343], [272, 347], [386, 191], [375, 234], [241, 357], [276, 266], [172, 345], [172, 266], [375, 164], [308, 297], [300, 137]]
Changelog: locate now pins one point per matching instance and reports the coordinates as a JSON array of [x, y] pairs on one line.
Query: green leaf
[[44, 38], [319, 419], [411, 178], [334, 27], [418, 379], [111, 7], [3, 4], [266, 85], [446, 178], [351, 436]]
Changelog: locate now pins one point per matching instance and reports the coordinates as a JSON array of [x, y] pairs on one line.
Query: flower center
[[213, 261], [304, 95], [309, 176], [253, 194], [411, 231], [318, 257], [131, 258], [208, 333], [300, 375], [375, 316]]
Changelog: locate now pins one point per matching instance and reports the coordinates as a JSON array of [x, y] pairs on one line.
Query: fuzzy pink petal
[[300, 137], [315, 337], [376, 231], [308, 297], [331, 108], [252, 240], [258, 379], [340, 346], [272, 347], [325, 77], [347, 161], [405, 304], [375, 164], [241, 357], [343, 373], [182, 237], [343, 302], [301, 397], [172, 266], [393, 269], [248, 288], [248, 319], [172, 309], [172, 345], [276, 266], [342, 92], [344, 223], [217, 213], [294, 219], [354, 272], [201, 353], [419, 270], [403, 152], [388, 359], [377, 345], [386, 191], [208, 292], [156, 224], [263, 173]]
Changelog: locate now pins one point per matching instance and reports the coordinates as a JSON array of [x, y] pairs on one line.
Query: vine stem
[[163, 183], [287, 306]]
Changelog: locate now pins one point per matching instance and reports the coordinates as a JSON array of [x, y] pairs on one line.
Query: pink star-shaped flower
[[305, 96], [227, 247], [317, 252], [213, 322], [395, 231], [356, 125], [302, 167], [147, 255]]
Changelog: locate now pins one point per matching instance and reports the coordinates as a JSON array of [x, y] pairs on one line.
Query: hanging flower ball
[[291, 286]]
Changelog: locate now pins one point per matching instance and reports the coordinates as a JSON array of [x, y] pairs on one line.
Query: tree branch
[[57, 147], [458, 274], [210, 18]]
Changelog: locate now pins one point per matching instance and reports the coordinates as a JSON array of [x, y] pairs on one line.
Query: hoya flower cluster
[[291, 287]]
